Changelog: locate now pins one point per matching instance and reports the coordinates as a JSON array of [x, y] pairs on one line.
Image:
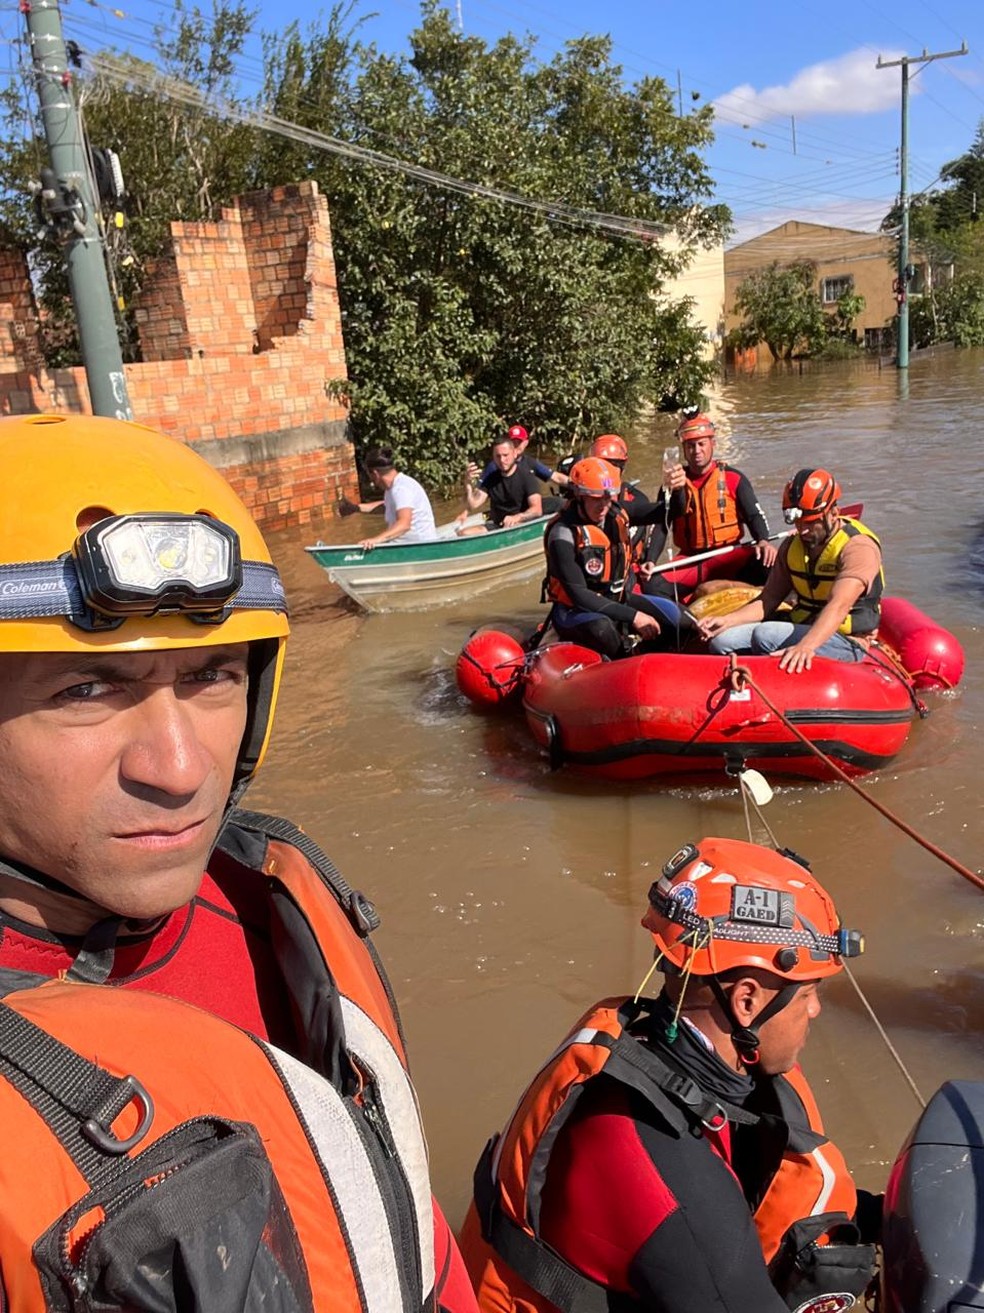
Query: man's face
[[594, 509], [505, 456], [814, 533], [697, 454], [782, 1037], [117, 768]]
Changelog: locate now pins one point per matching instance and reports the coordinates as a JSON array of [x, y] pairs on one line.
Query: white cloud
[[849, 85]]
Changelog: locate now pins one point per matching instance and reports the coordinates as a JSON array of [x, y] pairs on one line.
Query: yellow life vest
[[814, 582]]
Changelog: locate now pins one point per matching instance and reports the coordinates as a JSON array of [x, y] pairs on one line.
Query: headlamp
[[144, 564], [792, 513]]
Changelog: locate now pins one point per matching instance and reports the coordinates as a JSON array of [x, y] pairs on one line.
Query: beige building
[[846, 261], [703, 282]]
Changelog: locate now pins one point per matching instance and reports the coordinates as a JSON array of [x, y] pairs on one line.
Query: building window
[[832, 289]]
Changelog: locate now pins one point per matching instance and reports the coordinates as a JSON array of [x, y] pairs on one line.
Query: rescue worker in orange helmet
[[613, 448], [589, 569], [831, 568], [203, 1086], [669, 1155], [711, 504]]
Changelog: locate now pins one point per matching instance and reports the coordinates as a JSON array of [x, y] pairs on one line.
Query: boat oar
[[681, 562]]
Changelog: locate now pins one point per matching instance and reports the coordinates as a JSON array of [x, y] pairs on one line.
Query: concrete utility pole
[[906, 270], [68, 204]]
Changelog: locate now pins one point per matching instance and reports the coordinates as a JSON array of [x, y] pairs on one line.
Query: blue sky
[[808, 127]]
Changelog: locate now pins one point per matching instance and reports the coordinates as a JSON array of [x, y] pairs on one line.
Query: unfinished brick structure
[[240, 333]]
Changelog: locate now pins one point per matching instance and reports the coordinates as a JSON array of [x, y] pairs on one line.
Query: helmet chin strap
[[746, 1038]]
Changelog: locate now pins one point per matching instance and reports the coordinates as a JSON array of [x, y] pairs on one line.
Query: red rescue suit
[[810, 1195]]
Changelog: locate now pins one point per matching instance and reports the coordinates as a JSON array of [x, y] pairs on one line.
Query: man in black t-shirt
[[512, 492]]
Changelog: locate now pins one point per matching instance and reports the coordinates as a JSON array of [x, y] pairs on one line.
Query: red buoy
[[490, 667], [930, 654]]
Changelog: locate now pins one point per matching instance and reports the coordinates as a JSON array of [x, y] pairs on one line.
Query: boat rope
[[887, 659], [896, 1056], [746, 797], [740, 677], [517, 665]]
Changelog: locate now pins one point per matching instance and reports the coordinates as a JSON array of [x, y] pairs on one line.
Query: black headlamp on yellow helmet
[[114, 538], [143, 565]]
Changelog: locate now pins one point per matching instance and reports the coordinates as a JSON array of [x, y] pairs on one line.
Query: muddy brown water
[[510, 897]]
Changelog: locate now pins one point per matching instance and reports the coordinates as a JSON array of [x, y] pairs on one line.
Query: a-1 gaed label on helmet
[[771, 907]]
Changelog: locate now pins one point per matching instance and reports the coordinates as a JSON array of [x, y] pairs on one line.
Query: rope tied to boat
[[740, 677]]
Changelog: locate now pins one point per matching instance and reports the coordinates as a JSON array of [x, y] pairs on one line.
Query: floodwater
[[510, 897]]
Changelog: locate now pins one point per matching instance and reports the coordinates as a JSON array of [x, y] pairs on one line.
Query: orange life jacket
[[147, 1142], [710, 515], [606, 567], [513, 1271]]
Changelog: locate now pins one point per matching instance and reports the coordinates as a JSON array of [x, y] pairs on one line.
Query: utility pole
[[906, 271], [66, 201]]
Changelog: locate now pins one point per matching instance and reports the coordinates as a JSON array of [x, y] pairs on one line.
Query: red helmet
[[609, 447], [518, 434], [694, 427], [809, 495], [592, 477], [722, 903]]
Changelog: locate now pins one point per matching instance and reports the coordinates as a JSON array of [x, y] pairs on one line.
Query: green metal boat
[[455, 566]]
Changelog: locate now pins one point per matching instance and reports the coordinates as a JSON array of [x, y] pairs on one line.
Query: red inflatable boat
[[681, 714]]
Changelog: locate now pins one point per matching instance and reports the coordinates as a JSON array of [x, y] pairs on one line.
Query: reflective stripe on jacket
[[814, 581], [605, 567], [290, 1182], [515, 1272]]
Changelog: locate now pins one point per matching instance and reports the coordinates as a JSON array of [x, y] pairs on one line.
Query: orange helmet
[[593, 477], [809, 495], [694, 427], [609, 447], [722, 904]]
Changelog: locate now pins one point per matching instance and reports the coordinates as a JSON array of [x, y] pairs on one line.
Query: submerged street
[[511, 897]]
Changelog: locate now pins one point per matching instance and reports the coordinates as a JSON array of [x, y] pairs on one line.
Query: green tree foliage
[[945, 229], [463, 312], [460, 311], [178, 162], [781, 307]]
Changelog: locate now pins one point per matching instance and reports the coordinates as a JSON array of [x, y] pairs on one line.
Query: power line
[[644, 230]]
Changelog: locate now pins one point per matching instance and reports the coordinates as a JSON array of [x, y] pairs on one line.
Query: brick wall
[[240, 332], [18, 317]]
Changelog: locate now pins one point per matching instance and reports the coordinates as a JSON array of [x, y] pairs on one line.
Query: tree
[[460, 310], [178, 162], [781, 308], [517, 316]]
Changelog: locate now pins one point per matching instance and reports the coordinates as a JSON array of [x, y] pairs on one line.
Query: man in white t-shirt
[[406, 506]]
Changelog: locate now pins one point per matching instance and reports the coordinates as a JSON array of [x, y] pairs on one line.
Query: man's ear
[[748, 998]]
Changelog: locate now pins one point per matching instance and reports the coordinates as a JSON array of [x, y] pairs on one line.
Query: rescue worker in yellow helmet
[[669, 1155], [202, 1073], [831, 568]]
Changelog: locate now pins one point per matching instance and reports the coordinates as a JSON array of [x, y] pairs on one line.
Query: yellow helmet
[[117, 538]]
